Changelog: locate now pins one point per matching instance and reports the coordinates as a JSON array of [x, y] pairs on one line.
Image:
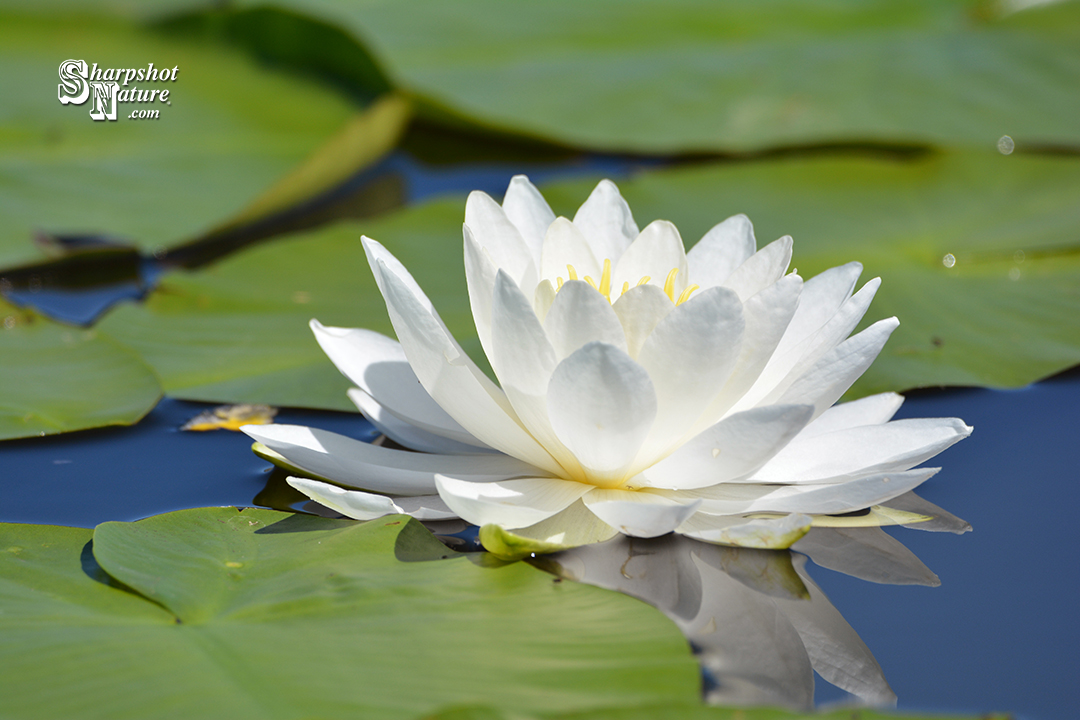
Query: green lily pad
[[690, 76], [1003, 315], [238, 331], [261, 614], [61, 378], [229, 130]]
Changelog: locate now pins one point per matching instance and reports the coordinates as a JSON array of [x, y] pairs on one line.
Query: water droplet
[[1005, 145], [949, 260], [1014, 274], [1018, 257], [715, 452], [9, 322]]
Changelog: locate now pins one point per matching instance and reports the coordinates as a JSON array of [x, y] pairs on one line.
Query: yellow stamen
[[573, 273], [644, 280], [592, 282], [558, 282], [605, 280], [625, 287], [686, 294], [669, 284]]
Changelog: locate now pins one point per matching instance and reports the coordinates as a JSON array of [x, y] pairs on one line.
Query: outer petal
[[601, 404], [580, 315], [832, 499], [637, 513], [724, 248], [403, 433], [860, 451], [530, 213], [871, 410], [366, 506], [657, 251], [500, 238], [452, 379], [764, 267], [509, 504], [730, 450], [689, 357], [480, 272], [377, 364], [565, 245], [369, 467], [606, 221]]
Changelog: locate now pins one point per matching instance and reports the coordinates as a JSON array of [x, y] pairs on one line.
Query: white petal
[[366, 506], [542, 299], [480, 272], [637, 513], [377, 364], [640, 310], [762, 269], [732, 449], [606, 222], [834, 373], [859, 451], [871, 410], [452, 378], [784, 369], [500, 238], [530, 213], [770, 534], [369, 467], [565, 245], [511, 503], [524, 360], [725, 247], [580, 315], [766, 316], [689, 357], [822, 296], [601, 404], [656, 252], [832, 499], [406, 434]]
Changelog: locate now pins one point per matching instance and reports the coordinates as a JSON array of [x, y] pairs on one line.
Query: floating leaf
[[59, 378], [689, 76], [261, 614], [230, 130]]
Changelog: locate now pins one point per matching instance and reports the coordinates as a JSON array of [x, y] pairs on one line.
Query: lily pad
[[697, 712], [1002, 315], [689, 76], [261, 614], [230, 128], [60, 378], [238, 331]]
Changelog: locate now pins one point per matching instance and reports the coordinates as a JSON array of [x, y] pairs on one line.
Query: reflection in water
[[757, 622]]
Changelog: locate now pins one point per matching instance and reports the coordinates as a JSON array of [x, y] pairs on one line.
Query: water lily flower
[[642, 389]]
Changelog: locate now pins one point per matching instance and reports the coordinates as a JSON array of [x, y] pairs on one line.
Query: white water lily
[[642, 389]]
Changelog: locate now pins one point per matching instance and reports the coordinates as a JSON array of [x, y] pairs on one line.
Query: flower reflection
[[757, 622]]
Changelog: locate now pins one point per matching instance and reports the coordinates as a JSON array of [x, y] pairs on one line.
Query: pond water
[[999, 634]]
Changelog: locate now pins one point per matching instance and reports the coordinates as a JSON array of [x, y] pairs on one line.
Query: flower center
[[604, 286]]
